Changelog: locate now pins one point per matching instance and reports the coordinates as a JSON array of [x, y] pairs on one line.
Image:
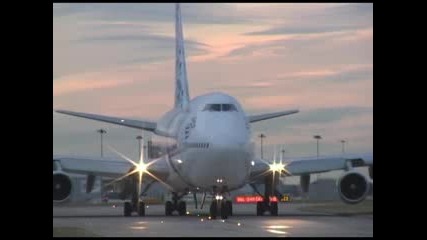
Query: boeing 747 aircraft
[[212, 154]]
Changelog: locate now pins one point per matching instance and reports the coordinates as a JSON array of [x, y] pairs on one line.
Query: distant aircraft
[[213, 154]]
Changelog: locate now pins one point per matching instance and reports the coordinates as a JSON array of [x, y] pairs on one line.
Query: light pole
[[317, 137], [102, 132], [261, 136], [283, 154], [139, 138], [343, 142]]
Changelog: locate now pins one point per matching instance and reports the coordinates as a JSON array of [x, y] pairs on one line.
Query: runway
[[108, 221]]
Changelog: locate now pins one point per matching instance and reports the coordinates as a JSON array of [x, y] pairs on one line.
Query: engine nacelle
[[62, 187], [353, 187]]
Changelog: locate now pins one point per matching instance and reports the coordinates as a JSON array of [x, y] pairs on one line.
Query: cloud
[[290, 30], [87, 43], [135, 91], [310, 98], [308, 29], [289, 18], [67, 86], [327, 115], [335, 85], [65, 9], [196, 13], [295, 132], [107, 79], [250, 85], [308, 42], [140, 41], [155, 41], [116, 24], [352, 72], [152, 38]]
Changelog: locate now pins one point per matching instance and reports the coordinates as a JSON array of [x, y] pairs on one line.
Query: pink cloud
[[262, 102], [111, 78], [318, 73], [311, 98], [61, 87], [148, 105], [326, 71], [261, 84], [348, 127], [356, 36]]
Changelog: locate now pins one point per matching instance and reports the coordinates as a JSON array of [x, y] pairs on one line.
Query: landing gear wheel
[[274, 210], [127, 209], [229, 205], [213, 209], [224, 210], [141, 209], [168, 208], [182, 208]]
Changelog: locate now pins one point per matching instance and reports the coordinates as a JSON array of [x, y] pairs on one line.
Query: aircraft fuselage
[[213, 144]]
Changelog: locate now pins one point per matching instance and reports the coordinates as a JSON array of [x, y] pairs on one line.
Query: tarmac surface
[[108, 221]]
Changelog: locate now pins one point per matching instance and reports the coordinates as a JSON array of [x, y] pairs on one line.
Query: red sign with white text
[[252, 199]]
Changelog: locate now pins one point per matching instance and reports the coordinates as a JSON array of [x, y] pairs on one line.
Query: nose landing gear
[[221, 206]]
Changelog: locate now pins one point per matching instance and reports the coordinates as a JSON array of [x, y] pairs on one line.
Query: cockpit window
[[228, 108], [220, 108], [212, 107]]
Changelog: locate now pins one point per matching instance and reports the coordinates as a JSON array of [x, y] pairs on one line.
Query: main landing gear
[[131, 189], [134, 206], [267, 205], [129, 208], [176, 205]]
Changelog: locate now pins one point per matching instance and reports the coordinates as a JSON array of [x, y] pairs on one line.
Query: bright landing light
[[141, 167], [277, 167]]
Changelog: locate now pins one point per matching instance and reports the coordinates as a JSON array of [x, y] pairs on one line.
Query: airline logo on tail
[[182, 96]]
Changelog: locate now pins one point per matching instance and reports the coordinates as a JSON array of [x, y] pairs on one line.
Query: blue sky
[[118, 59]]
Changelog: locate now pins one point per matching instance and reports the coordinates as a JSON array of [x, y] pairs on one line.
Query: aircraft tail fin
[[182, 95]]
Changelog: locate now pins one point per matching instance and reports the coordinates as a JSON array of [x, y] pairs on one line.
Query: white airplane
[[212, 154]]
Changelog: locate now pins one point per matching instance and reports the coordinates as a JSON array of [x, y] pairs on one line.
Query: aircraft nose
[[227, 141], [224, 162], [228, 136]]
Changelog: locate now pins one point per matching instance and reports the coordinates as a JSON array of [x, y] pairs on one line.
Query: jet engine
[[62, 187], [353, 187]]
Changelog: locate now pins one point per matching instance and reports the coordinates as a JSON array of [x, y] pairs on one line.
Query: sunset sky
[[118, 60]]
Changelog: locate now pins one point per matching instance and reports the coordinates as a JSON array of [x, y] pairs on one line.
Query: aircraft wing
[[260, 117], [309, 165], [139, 124], [113, 168]]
